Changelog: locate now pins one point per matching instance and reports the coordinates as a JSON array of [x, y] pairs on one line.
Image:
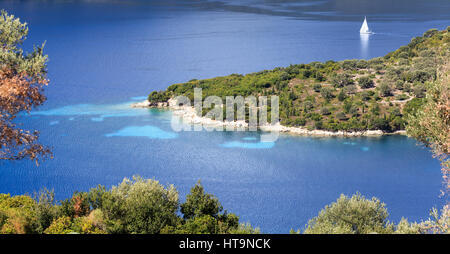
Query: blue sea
[[104, 55]]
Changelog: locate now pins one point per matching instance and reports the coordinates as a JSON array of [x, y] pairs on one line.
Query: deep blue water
[[105, 55]]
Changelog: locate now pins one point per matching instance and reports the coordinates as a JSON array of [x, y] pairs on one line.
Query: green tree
[[385, 89], [317, 88], [365, 82], [18, 215], [46, 209], [355, 215], [430, 124], [325, 111], [62, 225], [199, 203], [203, 214], [404, 227], [341, 80], [140, 206], [342, 96], [419, 91], [327, 93]]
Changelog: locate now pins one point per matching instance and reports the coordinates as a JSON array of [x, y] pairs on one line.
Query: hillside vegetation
[[349, 95]]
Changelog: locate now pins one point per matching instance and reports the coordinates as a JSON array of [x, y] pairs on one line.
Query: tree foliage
[[198, 203], [22, 78], [355, 215], [430, 123], [135, 206]]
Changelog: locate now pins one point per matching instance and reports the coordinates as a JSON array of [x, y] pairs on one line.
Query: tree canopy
[[22, 78]]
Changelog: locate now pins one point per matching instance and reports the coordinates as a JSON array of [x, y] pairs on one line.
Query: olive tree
[[430, 124], [365, 82], [355, 215], [140, 206]]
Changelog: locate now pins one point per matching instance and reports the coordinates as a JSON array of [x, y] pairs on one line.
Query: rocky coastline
[[190, 117]]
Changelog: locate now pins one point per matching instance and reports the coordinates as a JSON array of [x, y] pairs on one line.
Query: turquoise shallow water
[[105, 56], [143, 131], [248, 145]]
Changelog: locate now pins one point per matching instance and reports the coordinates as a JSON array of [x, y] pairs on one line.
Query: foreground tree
[[135, 206], [355, 215], [358, 215], [431, 125], [203, 214], [141, 206], [199, 203], [22, 78]]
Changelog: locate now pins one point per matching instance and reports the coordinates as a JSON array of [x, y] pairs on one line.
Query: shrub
[[403, 55], [62, 225], [325, 111], [341, 80], [299, 122], [362, 64], [156, 97], [402, 97], [365, 82], [327, 93], [349, 64], [367, 95], [318, 124], [350, 89], [380, 124], [419, 76], [385, 89], [18, 215], [317, 87], [342, 96], [419, 91], [430, 33], [341, 116], [307, 106], [404, 227], [403, 62], [399, 84]]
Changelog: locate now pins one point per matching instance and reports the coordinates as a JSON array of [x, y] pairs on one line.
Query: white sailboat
[[365, 28]]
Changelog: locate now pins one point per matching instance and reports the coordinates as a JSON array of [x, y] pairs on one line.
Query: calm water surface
[[103, 56]]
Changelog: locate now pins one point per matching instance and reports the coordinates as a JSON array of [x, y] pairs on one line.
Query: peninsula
[[345, 98]]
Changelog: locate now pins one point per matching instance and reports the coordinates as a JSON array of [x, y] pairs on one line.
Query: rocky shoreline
[[190, 117]]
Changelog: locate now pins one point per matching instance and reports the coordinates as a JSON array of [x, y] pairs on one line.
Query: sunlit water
[[105, 56]]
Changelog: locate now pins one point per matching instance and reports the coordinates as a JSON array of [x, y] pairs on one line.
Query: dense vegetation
[[137, 206], [144, 206], [358, 215], [349, 95], [431, 124]]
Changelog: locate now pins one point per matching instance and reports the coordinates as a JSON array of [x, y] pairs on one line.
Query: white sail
[[365, 28]]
